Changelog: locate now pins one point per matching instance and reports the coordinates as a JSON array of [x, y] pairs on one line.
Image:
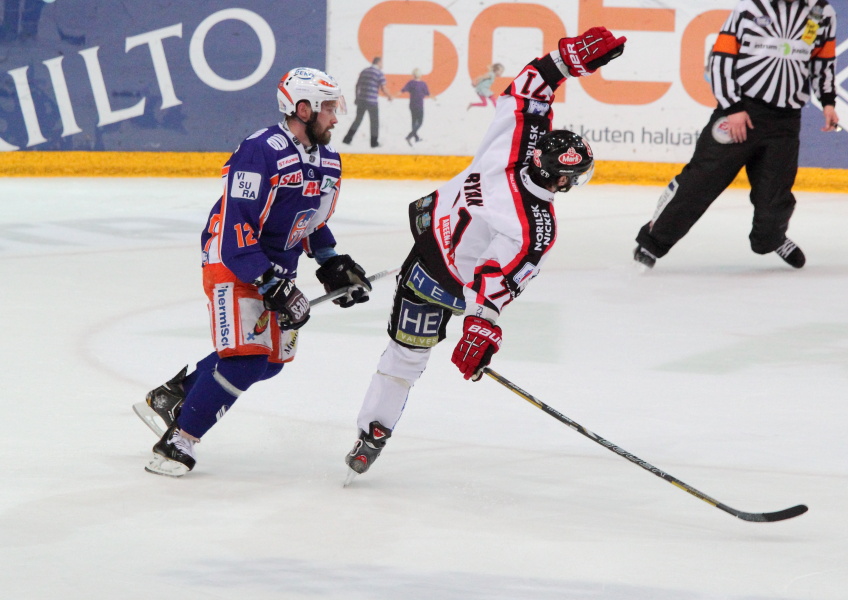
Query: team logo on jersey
[[289, 160], [312, 188], [570, 157], [298, 229], [245, 185], [763, 21], [331, 163], [294, 179]]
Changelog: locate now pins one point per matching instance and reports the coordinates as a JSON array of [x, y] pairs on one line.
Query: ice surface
[[724, 368]]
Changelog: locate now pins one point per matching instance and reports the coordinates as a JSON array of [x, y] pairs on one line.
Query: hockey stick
[[342, 291], [152, 419], [745, 516]]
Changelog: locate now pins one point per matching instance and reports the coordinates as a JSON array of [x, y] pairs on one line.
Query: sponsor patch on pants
[[427, 288], [418, 324]]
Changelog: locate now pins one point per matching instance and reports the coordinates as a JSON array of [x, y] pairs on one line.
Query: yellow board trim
[[356, 166]]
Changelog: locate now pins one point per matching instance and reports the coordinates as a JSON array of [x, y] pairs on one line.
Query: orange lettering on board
[[619, 21], [692, 55], [412, 12], [481, 43]]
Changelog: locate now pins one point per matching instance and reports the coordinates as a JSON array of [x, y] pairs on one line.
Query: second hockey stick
[[342, 291], [780, 515]]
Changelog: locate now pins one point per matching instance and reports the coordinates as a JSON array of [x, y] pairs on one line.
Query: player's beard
[[322, 138]]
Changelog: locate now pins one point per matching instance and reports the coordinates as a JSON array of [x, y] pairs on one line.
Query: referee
[[769, 56]]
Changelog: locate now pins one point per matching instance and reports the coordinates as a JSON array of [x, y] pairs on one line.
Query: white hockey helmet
[[308, 84]]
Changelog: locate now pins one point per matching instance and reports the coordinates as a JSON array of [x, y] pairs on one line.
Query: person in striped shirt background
[[370, 84], [769, 57]]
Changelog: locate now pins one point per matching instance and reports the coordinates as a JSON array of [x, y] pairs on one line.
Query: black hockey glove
[[587, 53], [341, 272], [288, 302]]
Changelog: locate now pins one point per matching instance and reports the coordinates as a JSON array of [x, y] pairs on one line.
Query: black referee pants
[[770, 158]]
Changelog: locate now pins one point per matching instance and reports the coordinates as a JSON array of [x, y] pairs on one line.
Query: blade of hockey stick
[[779, 515], [342, 291]]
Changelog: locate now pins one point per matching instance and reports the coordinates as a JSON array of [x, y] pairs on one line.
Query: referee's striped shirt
[[775, 51]]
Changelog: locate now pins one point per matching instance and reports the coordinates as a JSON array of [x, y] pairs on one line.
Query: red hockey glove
[[480, 340], [585, 54]]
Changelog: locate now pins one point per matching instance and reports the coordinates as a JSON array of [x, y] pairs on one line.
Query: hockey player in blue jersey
[[280, 188]]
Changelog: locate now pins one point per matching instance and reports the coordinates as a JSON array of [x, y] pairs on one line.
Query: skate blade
[[150, 418], [351, 475], [160, 465]]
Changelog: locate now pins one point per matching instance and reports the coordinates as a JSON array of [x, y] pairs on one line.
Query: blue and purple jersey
[[277, 199]]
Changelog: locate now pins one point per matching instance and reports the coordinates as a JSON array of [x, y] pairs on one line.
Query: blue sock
[[203, 365], [214, 391]]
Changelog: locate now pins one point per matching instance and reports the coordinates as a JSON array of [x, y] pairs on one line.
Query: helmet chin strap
[[537, 178], [566, 187], [308, 127]]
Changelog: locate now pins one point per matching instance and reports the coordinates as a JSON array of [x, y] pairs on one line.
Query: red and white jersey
[[493, 226]]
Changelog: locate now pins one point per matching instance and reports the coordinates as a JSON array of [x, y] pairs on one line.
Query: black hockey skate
[[173, 455], [368, 447], [162, 405], [640, 255], [791, 253]]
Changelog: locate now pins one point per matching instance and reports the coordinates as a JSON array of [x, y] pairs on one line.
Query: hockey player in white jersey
[[481, 237]]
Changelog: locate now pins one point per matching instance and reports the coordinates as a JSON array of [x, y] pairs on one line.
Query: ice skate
[[367, 448], [162, 405], [173, 455], [642, 256], [791, 254]]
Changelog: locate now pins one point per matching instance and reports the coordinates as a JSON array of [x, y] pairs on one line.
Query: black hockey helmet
[[562, 152]]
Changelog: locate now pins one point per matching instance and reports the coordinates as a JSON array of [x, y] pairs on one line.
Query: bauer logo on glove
[[585, 54], [480, 340]]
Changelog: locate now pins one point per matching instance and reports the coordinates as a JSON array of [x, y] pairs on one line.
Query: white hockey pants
[[398, 370]]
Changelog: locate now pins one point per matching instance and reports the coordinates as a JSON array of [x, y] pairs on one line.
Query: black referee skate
[[791, 253], [368, 447], [163, 404], [640, 255], [173, 455]]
